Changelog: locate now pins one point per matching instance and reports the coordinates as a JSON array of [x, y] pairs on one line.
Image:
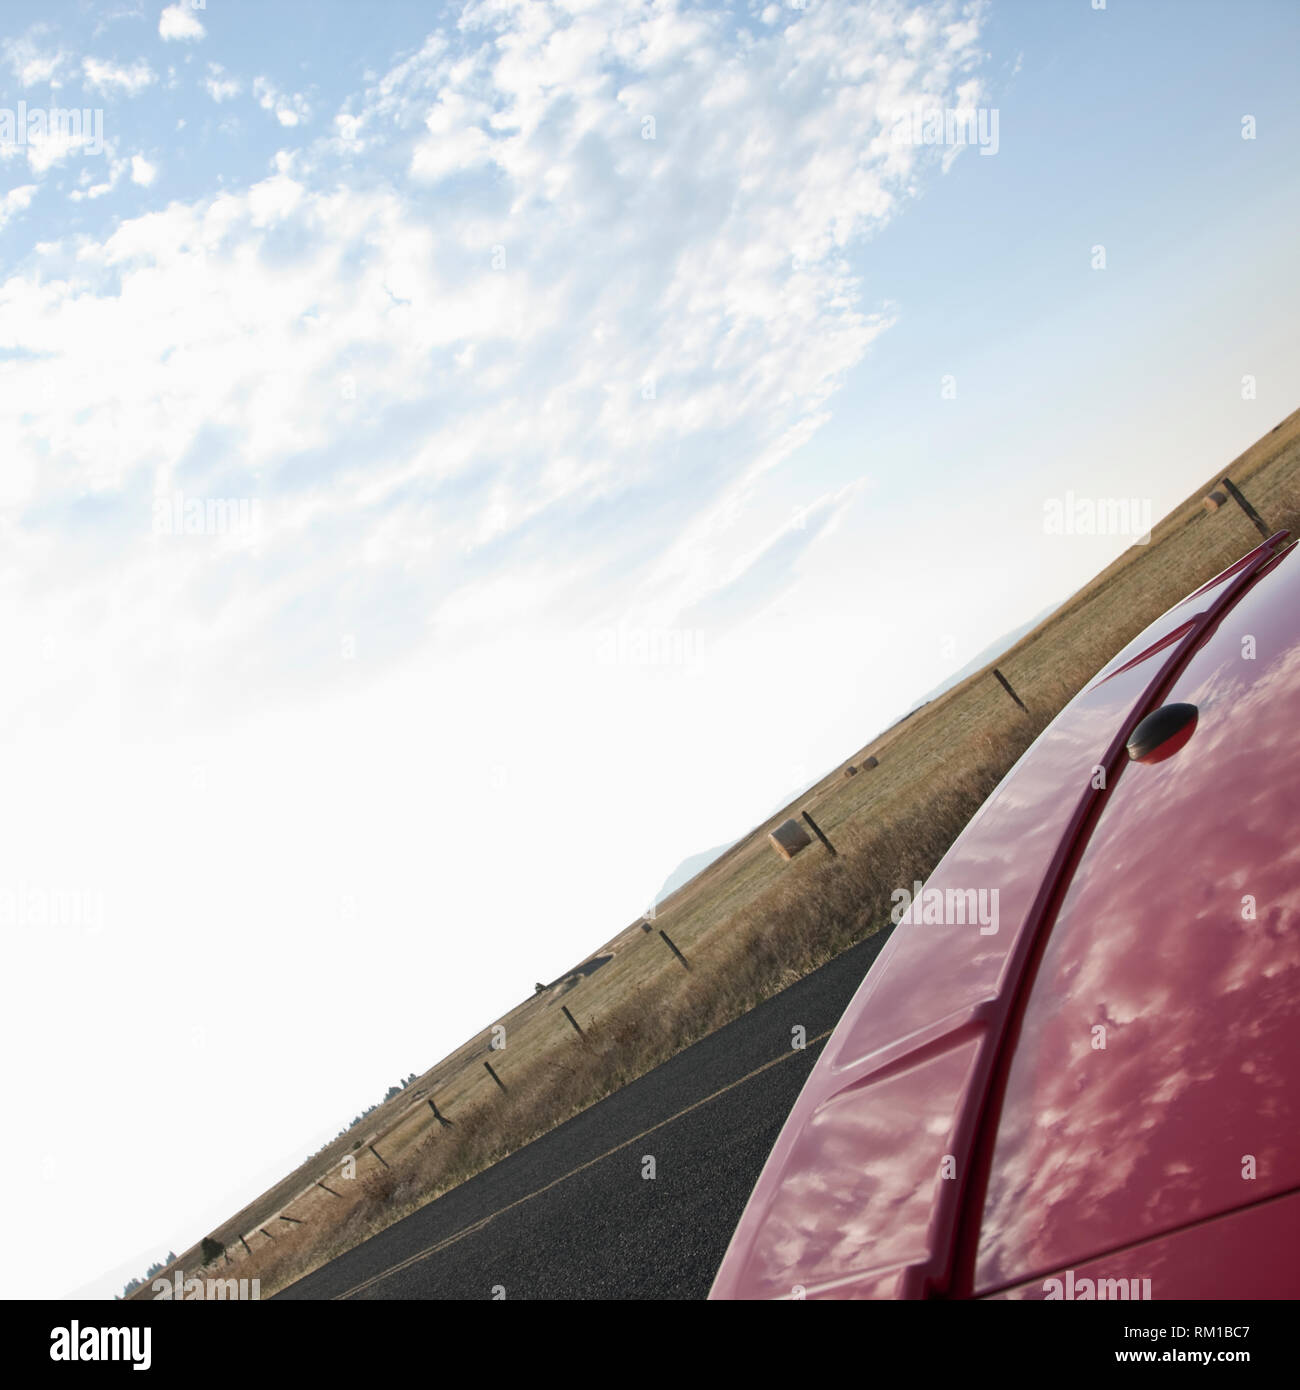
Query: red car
[[1074, 1069]]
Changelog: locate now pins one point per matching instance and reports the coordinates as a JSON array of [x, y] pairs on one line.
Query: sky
[[461, 460]]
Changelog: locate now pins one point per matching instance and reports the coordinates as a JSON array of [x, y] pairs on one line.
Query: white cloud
[[88, 189], [221, 87], [711, 298], [105, 76], [179, 21], [290, 108], [15, 201], [449, 152], [60, 141], [33, 65]]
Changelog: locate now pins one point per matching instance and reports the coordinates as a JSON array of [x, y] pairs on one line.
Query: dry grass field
[[751, 923]]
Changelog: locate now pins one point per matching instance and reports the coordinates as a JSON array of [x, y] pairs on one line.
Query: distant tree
[[211, 1249], [539, 988], [156, 1268]]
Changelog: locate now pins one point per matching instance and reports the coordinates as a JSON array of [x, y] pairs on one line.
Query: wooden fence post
[[1260, 525], [668, 941], [1006, 685], [817, 830]]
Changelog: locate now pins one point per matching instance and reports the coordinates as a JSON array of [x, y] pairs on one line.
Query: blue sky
[[561, 387]]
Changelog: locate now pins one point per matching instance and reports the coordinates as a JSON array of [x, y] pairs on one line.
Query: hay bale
[[850, 771], [870, 762], [1215, 500], [789, 838]]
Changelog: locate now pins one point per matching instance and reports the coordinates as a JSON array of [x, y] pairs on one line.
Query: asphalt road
[[573, 1215]]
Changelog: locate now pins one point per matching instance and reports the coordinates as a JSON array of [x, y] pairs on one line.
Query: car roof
[[872, 1175], [1155, 1080]]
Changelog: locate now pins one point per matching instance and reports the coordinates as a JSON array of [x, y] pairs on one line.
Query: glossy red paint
[[1179, 936], [871, 1188], [1254, 1246]]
